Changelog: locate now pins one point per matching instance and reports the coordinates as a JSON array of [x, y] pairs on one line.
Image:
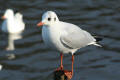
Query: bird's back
[[19, 21], [74, 37]]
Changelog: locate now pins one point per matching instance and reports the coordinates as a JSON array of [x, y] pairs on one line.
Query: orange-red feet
[[69, 74]]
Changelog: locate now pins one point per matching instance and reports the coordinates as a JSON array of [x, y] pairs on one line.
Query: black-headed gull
[[64, 37], [12, 23]]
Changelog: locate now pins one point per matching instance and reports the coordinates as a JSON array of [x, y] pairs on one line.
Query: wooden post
[[59, 75]]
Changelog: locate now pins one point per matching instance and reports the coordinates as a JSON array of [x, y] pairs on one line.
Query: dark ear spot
[[49, 19], [55, 19]]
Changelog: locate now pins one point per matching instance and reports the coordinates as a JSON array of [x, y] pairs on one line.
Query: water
[[32, 60]]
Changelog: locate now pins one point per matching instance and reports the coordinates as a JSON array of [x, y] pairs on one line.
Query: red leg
[[61, 65], [61, 62], [69, 74], [72, 63]]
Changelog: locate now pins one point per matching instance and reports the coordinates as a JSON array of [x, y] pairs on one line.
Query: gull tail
[[97, 40], [97, 45]]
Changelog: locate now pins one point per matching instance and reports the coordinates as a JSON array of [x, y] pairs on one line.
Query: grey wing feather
[[76, 38]]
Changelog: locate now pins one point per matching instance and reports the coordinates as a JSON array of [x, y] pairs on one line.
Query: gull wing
[[74, 37]]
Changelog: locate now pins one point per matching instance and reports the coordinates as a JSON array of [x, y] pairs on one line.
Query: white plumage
[[62, 36], [12, 23]]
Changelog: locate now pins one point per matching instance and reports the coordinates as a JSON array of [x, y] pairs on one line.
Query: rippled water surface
[[34, 61]]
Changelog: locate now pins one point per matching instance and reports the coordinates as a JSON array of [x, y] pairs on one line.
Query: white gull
[[64, 37]]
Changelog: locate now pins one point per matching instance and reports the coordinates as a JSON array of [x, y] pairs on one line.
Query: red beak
[[40, 24], [3, 17]]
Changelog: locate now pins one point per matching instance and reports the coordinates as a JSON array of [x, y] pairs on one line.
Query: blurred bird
[[12, 23]]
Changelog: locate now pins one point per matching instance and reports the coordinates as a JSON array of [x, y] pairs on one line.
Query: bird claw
[[69, 74]]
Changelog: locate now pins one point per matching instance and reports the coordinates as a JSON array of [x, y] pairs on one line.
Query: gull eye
[[49, 19], [54, 19]]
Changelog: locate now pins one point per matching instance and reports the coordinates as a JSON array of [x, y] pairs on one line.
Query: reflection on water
[[34, 61], [11, 39]]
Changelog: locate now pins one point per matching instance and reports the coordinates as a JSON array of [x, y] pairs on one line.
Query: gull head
[[8, 13], [48, 18]]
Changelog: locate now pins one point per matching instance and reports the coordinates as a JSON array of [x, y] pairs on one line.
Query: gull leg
[[69, 74], [61, 62]]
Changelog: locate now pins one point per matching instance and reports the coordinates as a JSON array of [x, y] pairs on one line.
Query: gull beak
[[3, 17], [40, 24]]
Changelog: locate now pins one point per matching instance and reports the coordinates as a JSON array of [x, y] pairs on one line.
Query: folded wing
[[74, 37]]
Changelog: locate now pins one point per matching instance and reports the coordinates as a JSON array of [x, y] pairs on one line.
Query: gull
[[64, 37], [12, 23]]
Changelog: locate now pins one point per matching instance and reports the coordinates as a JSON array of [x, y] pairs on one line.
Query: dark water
[[33, 61]]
